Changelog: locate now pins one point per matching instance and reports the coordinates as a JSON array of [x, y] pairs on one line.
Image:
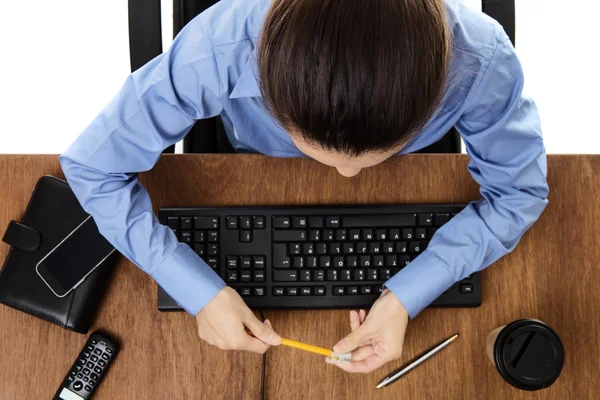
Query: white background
[[63, 60]]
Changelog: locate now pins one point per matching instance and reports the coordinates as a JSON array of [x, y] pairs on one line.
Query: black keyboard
[[313, 257]]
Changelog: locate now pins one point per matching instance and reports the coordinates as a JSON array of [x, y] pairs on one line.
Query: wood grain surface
[[552, 275]]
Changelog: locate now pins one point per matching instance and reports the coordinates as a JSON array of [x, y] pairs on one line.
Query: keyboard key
[[394, 234], [335, 248], [466, 288], [314, 235], [299, 222], [258, 262], [285, 276], [332, 275], [258, 222], [404, 260], [378, 261], [213, 236], [97, 352], [359, 274], [294, 248], [315, 222], [101, 363], [258, 276], [388, 247], [424, 244], [86, 354], [395, 270], [291, 291], [231, 276], [332, 222], [200, 249], [259, 291], [319, 275], [421, 233], [186, 223], [320, 290], [245, 292], [298, 262], [232, 262], [391, 261], [94, 358], [431, 232], [79, 367], [87, 387], [354, 234], [407, 233], [281, 222], [245, 276], [245, 222], [278, 291], [374, 247], [93, 376], [385, 273], [367, 234], [213, 250], [199, 236], [328, 234], [311, 262], [441, 219], [321, 248], [339, 290], [212, 262], [372, 274], [105, 356], [324, 261], [414, 246], [346, 274], [245, 262], [425, 219], [365, 290], [305, 291], [186, 237], [290, 235], [98, 370], [352, 261], [173, 222], [381, 234], [206, 222], [308, 248], [364, 261], [383, 220], [245, 236], [338, 262], [341, 234], [280, 258], [348, 248], [401, 247], [352, 290], [361, 248], [231, 222], [378, 289]]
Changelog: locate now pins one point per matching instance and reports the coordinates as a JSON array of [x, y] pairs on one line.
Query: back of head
[[353, 76]]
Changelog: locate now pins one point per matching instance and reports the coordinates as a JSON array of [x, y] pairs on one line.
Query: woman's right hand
[[223, 320]]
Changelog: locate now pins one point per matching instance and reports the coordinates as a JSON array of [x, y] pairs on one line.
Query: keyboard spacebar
[[364, 221]]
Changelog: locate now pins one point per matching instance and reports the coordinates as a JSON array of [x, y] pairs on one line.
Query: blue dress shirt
[[210, 70]]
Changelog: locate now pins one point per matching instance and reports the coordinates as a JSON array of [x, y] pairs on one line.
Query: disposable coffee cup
[[527, 353]]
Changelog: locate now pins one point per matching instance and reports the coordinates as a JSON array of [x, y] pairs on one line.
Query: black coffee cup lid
[[529, 354]]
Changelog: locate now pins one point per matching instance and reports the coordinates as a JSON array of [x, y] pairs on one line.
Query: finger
[[352, 341], [268, 323], [362, 353], [262, 331], [252, 344], [354, 320], [369, 364], [362, 314]]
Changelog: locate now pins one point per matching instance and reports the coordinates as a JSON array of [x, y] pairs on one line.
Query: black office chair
[[208, 135]]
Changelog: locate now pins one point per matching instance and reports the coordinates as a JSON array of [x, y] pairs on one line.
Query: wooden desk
[[552, 275]]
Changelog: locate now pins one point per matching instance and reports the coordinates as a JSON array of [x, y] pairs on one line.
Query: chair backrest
[[208, 136]]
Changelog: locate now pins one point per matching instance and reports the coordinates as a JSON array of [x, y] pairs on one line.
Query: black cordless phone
[[89, 368]]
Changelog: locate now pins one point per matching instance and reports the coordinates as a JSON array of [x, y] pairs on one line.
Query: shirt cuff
[[188, 279], [421, 282]]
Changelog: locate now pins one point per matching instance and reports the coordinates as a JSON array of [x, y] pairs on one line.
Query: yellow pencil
[[314, 349]]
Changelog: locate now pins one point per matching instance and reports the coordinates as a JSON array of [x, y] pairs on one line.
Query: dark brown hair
[[354, 75]]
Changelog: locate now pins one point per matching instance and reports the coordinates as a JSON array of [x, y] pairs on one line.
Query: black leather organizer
[[52, 213]]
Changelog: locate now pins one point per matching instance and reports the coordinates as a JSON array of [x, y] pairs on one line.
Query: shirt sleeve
[[156, 107], [501, 131]]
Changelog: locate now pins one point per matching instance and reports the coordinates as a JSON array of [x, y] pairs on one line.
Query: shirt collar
[[247, 84]]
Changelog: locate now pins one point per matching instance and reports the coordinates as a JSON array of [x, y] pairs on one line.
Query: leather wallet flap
[[22, 237]]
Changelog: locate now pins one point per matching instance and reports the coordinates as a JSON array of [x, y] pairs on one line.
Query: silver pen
[[398, 373]]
